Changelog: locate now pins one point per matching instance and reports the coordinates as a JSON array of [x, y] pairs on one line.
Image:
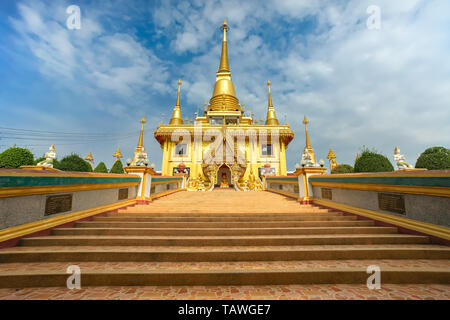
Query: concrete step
[[344, 239], [175, 210], [205, 212], [222, 231], [206, 254], [222, 277], [269, 224], [130, 218], [253, 216]]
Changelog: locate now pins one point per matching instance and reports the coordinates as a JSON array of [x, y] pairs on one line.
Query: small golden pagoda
[[89, 158], [332, 159], [223, 142], [118, 154]]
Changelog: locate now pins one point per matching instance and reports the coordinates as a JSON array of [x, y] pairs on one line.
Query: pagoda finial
[[271, 117], [224, 66], [118, 154], [176, 115]]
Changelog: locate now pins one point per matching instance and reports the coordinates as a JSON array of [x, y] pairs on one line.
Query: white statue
[[141, 158], [307, 159], [49, 156], [400, 160]]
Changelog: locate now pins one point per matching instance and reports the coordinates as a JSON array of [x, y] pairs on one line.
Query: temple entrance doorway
[[224, 177]]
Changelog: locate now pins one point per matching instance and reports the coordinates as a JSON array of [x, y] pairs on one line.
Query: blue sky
[[358, 87]]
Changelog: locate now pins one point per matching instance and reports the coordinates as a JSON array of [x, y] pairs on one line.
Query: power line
[[41, 132]]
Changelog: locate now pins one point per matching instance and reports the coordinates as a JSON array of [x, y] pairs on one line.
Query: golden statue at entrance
[[224, 182]]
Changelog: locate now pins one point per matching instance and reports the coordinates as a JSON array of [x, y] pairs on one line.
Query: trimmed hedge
[[373, 162], [343, 168], [117, 167], [101, 167], [74, 163], [15, 157], [435, 158]]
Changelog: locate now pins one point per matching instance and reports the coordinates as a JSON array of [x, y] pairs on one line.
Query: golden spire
[[118, 154], [224, 66], [176, 115], [141, 136], [305, 122], [140, 146], [224, 95], [308, 144], [271, 117]]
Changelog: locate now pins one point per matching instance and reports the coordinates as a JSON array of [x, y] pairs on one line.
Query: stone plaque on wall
[[123, 194], [327, 194], [57, 204], [391, 202]]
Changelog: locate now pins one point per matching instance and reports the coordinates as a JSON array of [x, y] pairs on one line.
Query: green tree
[[343, 168], [435, 158], [117, 167], [101, 167], [74, 162], [371, 161], [15, 157]]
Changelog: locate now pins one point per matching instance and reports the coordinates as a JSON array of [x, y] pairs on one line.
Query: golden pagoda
[[332, 159], [118, 154], [223, 142], [89, 158]]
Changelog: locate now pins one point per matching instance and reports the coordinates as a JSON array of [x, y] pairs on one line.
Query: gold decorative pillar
[[304, 187], [145, 173], [283, 169]]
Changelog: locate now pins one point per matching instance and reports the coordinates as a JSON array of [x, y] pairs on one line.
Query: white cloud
[[379, 88]]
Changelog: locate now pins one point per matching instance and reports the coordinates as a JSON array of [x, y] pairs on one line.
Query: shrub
[[15, 157], [101, 167], [436, 158], [117, 167], [74, 163], [343, 168], [370, 161]]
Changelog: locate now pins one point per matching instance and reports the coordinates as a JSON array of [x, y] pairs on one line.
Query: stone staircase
[[223, 238]]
